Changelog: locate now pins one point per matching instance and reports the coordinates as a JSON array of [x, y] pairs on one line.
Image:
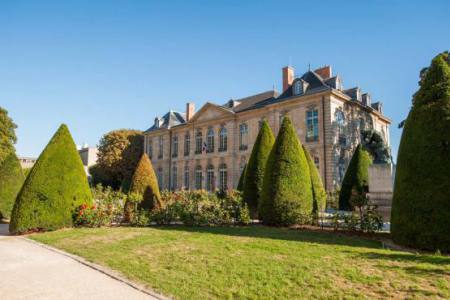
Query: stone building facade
[[208, 148]]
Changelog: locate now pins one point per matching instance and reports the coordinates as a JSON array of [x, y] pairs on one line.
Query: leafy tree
[[356, 177], [286, 196], [11, 180], [319, 194], [56, 186], [240, 186], [144, 183], [420, 215], [7, 134], [119, 152], [254, 174]]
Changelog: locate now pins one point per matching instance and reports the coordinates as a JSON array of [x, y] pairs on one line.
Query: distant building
[[88, 157], [209, 148], [27, 162]]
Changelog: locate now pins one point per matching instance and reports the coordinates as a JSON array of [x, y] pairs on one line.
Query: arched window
[[340, 122], [223, 177], [198, 142], [175, 146], [186, 177], [187, 144], [243, 136], [223, 139], [174, 177], [210, 178], [198, 177], [210, 140]]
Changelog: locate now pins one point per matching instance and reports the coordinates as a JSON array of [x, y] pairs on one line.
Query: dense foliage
[[318, 191], [11, 180], [7, 134], [145, 183], [287, 193], [56, 186], [254, 173], [356, 176], [119, 152], [421, 203]]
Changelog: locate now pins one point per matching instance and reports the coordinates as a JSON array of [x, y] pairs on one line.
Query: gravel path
[[30, 271]]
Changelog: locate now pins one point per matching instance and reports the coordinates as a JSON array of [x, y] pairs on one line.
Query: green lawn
[[257, 262]]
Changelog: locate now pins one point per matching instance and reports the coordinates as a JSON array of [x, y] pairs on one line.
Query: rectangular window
[[159, 174], [198, 142], [150, 147], [174, 177], [161, 147], [186, 177], [175, 146], [198, 178], [210, 179], [243, 135], [312, 125], [223, 177], [187, 144]]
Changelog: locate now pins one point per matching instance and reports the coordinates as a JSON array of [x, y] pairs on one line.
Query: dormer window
[[157, 122], [298, 87]]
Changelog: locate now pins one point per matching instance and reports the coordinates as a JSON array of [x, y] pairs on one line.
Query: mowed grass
[[257, 263]]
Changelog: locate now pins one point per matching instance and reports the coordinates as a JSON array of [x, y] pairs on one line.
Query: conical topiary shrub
[[355, 178], [11, 180], [56, 186], [286, 196], [420, 215], [144, 182], [240, 186], [254, 173], [319, 194]]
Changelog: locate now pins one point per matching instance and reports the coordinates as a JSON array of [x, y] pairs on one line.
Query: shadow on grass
[[285, 234]]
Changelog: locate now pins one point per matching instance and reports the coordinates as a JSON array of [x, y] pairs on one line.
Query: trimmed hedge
[[420, 215], [144, 183], [286, 196], [356, 177], [56, 186], [254, 174], [319, 194], [11, 180]]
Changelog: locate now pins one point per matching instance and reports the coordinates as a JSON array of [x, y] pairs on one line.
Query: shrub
[[91, 216], [287, 193], [318, 191], [11, 180], [110, 202], [421, 202], [144, 182], [56, 186], [254, 173], [356, 177]]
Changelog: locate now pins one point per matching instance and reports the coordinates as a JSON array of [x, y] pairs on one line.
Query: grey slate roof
[[170, 119]]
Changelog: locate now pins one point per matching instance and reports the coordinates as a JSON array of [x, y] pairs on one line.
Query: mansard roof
[[170, 119]]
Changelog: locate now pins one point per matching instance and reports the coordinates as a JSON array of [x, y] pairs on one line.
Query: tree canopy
[[7, 134], [420, 215], [119, 152]]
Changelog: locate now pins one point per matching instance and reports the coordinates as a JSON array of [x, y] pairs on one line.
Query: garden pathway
[[30, 271]]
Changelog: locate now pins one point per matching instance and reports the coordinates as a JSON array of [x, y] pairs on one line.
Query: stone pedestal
[[381, 188]]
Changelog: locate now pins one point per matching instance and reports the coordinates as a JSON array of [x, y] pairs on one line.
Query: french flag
[[204, 147]]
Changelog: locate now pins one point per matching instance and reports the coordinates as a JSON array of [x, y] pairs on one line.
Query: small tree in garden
[[240, 186], [254, 173], [11, 180], [356, 176], [286, 196], [145, 183], [319, 194], [7, 134], [56, 186], [421, 203]]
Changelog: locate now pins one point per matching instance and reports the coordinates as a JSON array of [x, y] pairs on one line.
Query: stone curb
[[108, 272]]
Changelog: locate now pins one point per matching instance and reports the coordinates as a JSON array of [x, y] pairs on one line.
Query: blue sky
[[104, 65]]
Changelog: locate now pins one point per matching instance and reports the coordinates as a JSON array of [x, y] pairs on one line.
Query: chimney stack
[[190, 110], [324, 72], [288, 77]]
